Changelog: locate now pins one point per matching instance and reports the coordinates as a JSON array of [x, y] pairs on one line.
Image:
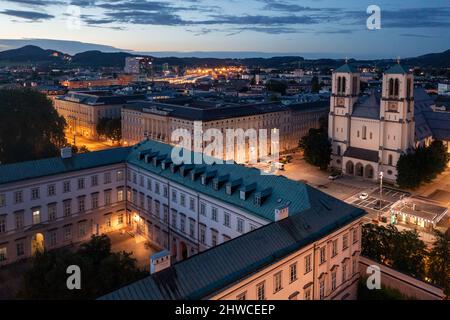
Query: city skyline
[[303, 27]]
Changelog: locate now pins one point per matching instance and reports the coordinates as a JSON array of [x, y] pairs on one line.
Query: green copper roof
[[211, 271], [45, 167], [396, 69], [346, 68], [283, 191]]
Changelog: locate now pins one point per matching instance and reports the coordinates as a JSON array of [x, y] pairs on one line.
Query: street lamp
[[381, 193]]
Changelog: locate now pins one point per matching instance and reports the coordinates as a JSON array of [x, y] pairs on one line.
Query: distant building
[[86, 83], [157, 120], [138, 65], [83, 109], [444, 88]]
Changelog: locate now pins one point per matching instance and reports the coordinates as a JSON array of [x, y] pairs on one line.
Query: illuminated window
[[36, 213]]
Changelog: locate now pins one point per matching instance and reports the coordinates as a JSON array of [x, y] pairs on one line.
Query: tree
[[431, 160], [315, 85], [276, 86], [110, 128], [30, 128], [316, 146], [439, 261], [102, 271]]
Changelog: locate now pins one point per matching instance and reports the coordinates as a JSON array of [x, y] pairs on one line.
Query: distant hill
[[95, 58], [31, 54]]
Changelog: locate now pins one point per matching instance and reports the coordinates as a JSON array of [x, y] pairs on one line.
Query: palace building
[[184, 209], [369, 132]]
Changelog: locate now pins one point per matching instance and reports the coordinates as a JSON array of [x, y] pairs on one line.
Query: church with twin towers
[[368, 133]]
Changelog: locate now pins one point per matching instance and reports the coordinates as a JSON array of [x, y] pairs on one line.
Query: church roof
[[368, 106], [396, 69], [346, 68]]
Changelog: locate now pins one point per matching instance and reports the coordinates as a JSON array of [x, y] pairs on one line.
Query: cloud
[[28, 15], [413, 35], [37, 2]]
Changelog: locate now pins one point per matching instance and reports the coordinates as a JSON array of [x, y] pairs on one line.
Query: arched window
[[408, 88], [355, 86], [343, 85], [338, 150], [390, 159], [339, 84], [396, 87], [391, 87], [364, 132]]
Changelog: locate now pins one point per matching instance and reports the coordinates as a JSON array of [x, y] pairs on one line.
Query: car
[[363, 196], [334, 176]]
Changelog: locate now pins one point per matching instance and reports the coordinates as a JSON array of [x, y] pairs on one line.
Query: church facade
[[369, 132]]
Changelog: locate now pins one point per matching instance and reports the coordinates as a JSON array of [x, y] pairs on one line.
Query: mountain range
[[35, 55]]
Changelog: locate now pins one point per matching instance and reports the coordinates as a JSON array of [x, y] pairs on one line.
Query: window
[[192, 227], [67, 233], [18, 197], [165, 192], [107, 177], [120, 195], [391, 87], [322, 289], [34, 193], [174, 196], [51, 190], [390, 160], [308, 263], [51, 212], [277, 281], [141, 181], [20, 249], [183, 200], [20, 220], [149, 184], [334, 248], [80, 183], [81, 204], [308, 294], [354, 269], [344, 272], [156, 187], [3, 224], [108, 221], [226, 219], [120, 218], [53, 238], [67, 207], [36, 214], [174, 218], [107, 197], [364, 132], [182, 223], [3, 255], [66, 186], [333, 281], [322, 255], [94, 200], [293, 272], [2, 200], [202, 234], [82, 229], [345, 241], [202, 209], [192, 204], [94, 180], [242, 296], [165, 213], [240, 225], [134, 178], [119, 175], [261, 291], [214, 237], [355, 235], [214, 214]]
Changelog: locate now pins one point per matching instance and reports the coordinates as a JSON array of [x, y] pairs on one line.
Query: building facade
[[369, 133], [158, 120], [83, 109]]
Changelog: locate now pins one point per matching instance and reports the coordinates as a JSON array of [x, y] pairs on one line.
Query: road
[[92, 145]]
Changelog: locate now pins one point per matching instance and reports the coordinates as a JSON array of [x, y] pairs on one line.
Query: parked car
[[363, 196], [334, 176]]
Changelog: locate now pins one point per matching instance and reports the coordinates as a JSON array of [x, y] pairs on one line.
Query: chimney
[[281, 213], [66, 153], [159, 261]]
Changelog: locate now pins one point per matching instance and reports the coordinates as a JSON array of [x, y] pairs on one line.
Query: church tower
[[344, 94], [396, 118]]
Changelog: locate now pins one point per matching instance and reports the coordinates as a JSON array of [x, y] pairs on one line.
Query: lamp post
[[381, 194]]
